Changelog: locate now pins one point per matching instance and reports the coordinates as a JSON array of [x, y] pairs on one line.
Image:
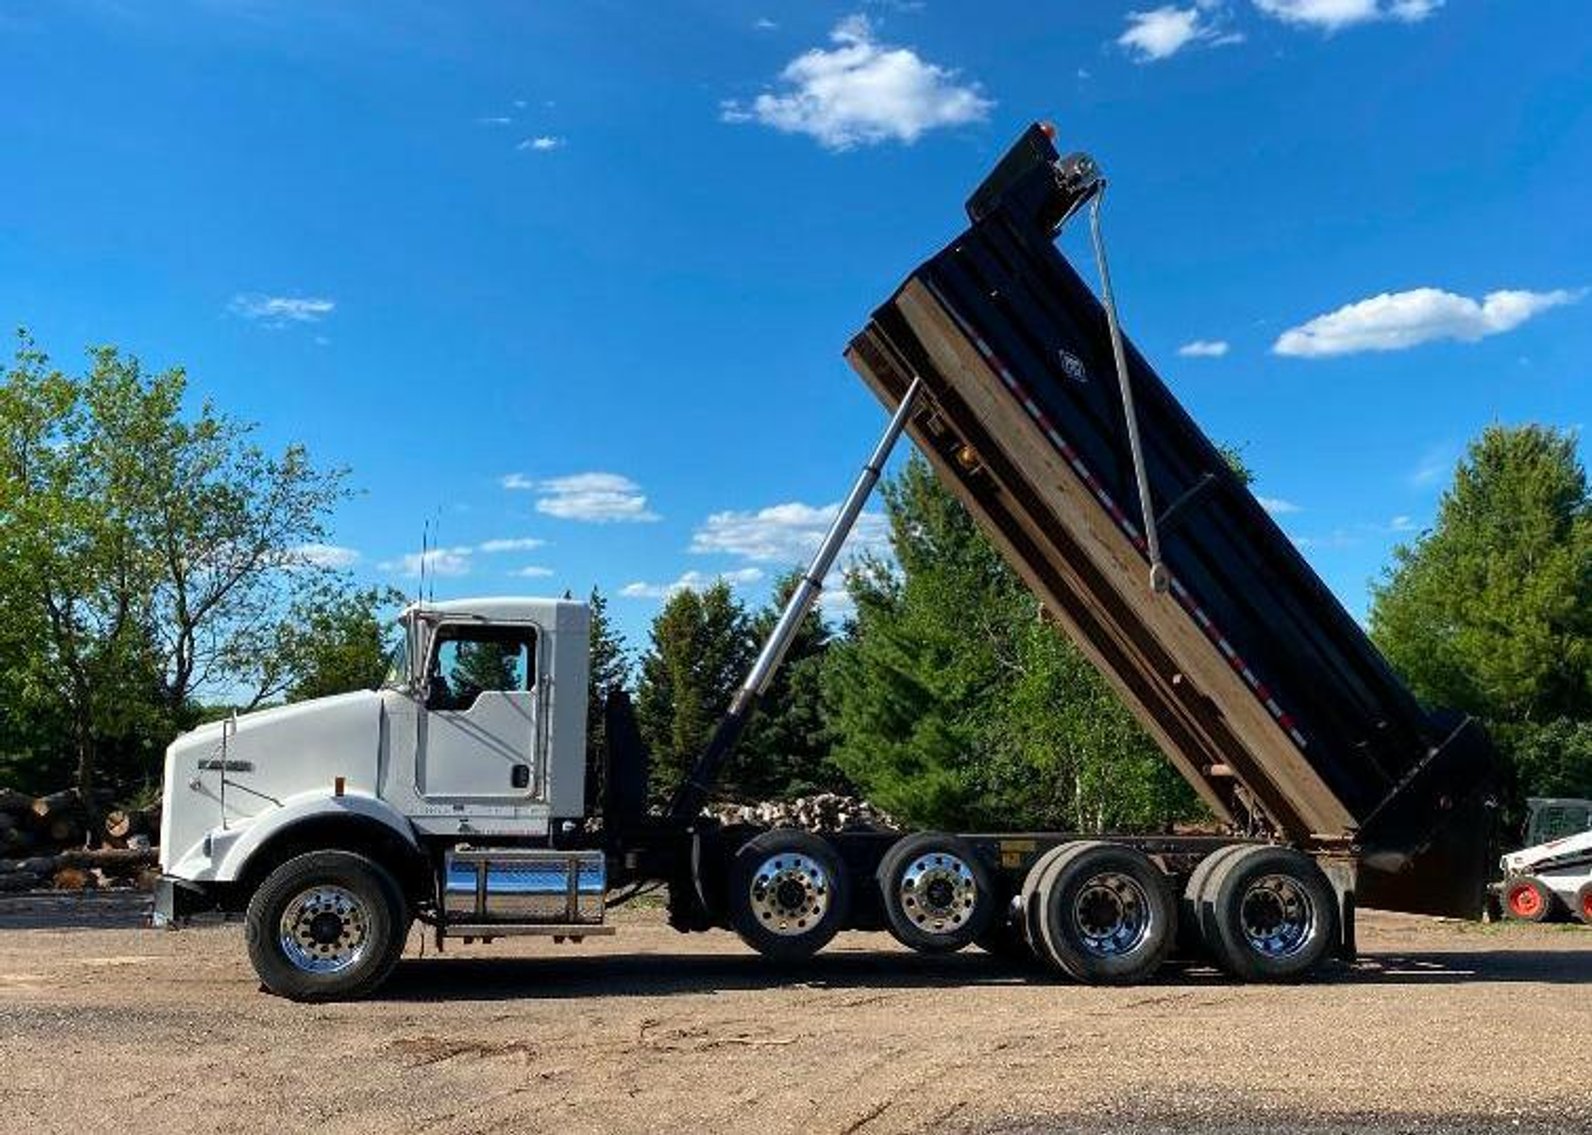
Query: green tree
[[1490, 612], [785, 750], [336, 642], [699, 650], [956, 705], [609, 673], [151, 555]]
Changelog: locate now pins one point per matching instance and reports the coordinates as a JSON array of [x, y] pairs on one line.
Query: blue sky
[[572, 280]]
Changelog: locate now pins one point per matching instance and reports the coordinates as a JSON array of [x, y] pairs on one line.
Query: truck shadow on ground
[[656, 975]]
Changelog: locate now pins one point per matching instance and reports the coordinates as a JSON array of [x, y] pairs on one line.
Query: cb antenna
[[420, 592], [436, 540]]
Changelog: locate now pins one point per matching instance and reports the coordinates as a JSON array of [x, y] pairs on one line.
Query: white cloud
[[1402, 524], [1162, 32], [325, 555], [541, 144], [436, 561], [596, 497], [690, 581], [1435, 464], [1204, 349], [512, 544], [783, 533], [1331, 15], [1336, 539], [495, 120], [764, 24], [279, 311], [1395, 321], [862, 92], [1277, 506], [533, 571]]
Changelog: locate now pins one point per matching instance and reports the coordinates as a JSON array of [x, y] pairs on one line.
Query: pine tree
[[700, 648], [956, 705], [1490, 612], [785, 751], [609, 674]]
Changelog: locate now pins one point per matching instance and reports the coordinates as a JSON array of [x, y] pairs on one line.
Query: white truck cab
[[478, 735]]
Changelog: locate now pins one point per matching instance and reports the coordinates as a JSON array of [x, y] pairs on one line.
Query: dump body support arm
[[694, 789]]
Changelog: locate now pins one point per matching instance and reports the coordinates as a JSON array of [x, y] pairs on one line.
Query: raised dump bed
[[1260, 688]]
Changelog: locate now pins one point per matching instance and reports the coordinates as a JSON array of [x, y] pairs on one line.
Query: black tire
[[1107, 914], [1190, 939], [1528, 899], [1028, 917], [936, 892], [1583, 903], [1268, 914], [333, 893], [788, 895]]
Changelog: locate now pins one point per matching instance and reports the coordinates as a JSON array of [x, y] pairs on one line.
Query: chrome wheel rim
[[790, 893], [1277, 916], [937, 892], [324, 929], [1112, 914]]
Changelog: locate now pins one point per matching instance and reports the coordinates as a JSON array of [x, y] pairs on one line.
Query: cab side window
[[468, 661]]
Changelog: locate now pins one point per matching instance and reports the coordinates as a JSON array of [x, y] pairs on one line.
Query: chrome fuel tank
[[513, 886]]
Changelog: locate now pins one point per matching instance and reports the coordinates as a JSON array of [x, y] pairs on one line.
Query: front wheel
[[326, 926], [1528, 899]]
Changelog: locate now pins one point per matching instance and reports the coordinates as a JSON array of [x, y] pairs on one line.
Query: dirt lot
[[1441, 1027]]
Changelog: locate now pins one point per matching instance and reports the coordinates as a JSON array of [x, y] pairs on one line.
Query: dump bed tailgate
[[1258, 685]]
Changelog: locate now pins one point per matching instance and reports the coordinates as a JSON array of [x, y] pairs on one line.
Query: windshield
[[398, 662]]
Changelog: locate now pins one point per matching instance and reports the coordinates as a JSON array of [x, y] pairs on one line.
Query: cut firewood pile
[[66, 843], [824, 812]]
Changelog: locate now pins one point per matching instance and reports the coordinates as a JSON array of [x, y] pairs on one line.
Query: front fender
[[232, 860]]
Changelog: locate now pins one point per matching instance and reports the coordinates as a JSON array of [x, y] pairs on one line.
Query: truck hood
[[312, 716], [273, 754]]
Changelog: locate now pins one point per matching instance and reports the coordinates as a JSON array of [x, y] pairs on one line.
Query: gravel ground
[[1441, 1027]]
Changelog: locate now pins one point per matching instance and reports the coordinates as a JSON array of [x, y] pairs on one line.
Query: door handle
[[520, 776]]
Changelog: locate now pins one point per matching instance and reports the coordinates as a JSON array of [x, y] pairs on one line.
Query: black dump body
[[1259, 686]]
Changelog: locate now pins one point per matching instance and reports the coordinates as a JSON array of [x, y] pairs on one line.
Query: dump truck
[[460, 794]]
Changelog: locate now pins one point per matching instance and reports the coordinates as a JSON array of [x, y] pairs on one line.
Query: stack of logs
[[824, 812], [51, 842]]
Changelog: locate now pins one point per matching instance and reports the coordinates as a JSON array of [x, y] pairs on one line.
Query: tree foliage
[[150, 562], [700, 648], [1490, 612], [337, 640], [956, 705], [785, 751]]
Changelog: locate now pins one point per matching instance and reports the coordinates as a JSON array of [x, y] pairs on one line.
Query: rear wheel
[[788, 894], [936, 892], [1527, 899], [326, 926], [1105, 914], [1190, 938], [1583, 903], [1030, 909], [1268, 914]]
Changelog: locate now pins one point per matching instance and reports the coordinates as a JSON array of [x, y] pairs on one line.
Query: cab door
[[479, 730]]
